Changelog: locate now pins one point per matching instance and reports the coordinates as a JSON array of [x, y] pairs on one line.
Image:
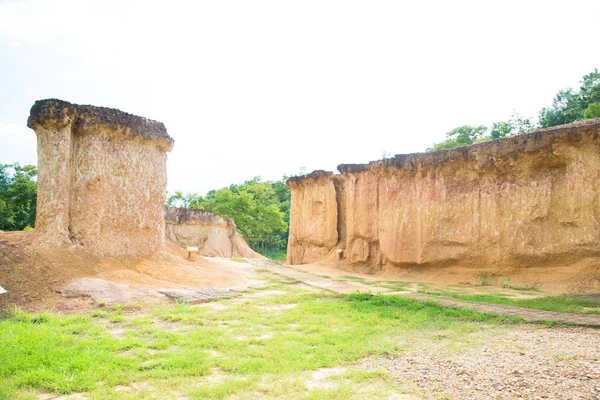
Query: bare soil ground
[[34, 276], [528, 362], [583, 277]]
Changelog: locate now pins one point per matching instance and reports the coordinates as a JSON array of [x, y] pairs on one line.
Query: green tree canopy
[[569, 105], [593, 111], [18, 196], [514, 126], [185, 200], [461, 136]]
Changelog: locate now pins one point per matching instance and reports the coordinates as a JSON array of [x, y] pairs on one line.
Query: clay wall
[[313, 217], [213, 235], [532, 199], [101, 179]]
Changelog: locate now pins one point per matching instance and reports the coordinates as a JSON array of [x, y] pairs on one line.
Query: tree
[[569, 105], [461, 136], [468, 134], [188, 200], [593, 111], [514, 126], [18, 196]]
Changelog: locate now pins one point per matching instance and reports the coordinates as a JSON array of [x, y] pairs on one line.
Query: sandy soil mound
[[33, 276]]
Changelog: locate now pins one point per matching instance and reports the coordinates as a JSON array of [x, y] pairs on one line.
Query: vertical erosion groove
[[340, 198]]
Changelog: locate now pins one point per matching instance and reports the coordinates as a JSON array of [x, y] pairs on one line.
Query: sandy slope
[[32, 275]]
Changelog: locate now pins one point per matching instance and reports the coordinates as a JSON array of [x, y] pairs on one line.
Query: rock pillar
[[101, 178]]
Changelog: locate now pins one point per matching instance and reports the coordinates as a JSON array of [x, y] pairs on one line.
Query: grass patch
[[563, 303], [240, 351], [353, 278], [396, 286], [275, 254]]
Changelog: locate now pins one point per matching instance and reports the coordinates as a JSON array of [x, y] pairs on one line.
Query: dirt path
[[590, 320], [530, 314]]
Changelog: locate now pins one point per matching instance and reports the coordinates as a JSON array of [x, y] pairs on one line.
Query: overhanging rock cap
[[60, 113], [315, 175]]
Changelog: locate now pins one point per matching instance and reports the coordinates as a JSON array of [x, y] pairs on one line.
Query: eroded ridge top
[[315, 175], [485, 153], [176, 215], [60, 113]]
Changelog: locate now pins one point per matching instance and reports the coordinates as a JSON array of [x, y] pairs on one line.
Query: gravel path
[[529, 362]]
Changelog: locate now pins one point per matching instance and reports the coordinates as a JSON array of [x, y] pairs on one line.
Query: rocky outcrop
[[213, 235], [532, 199], [101, 178], [313, 217]]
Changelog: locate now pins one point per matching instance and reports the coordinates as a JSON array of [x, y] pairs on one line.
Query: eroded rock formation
[[101, 178], [215, 236], [532, 199]]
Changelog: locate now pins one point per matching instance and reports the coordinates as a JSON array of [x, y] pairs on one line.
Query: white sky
[[256, 87]]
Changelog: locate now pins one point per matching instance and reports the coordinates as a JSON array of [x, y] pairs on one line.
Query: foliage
[[468, 134], [260, 209], [593, 111], [18, 196], [461, 136], [187, 200], [484, 277], [514, 126], [570, 105]]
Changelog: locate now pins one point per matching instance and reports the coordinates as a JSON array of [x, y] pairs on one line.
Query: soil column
[[52, 122]]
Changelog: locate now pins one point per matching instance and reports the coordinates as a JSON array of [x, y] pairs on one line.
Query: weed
[[484, 277]]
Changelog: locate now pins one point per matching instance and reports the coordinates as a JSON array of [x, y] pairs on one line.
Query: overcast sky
[[251, 88]]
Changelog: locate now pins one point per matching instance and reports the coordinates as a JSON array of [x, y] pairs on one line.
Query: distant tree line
[[568, 106], [18, 196], [260, 209]]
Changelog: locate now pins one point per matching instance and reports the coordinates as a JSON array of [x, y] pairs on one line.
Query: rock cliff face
[[215, 236], [101, 178], [532, 199]]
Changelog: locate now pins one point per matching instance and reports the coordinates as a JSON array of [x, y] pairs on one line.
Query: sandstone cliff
[[101, 178], [215, 236], [529, 200]]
